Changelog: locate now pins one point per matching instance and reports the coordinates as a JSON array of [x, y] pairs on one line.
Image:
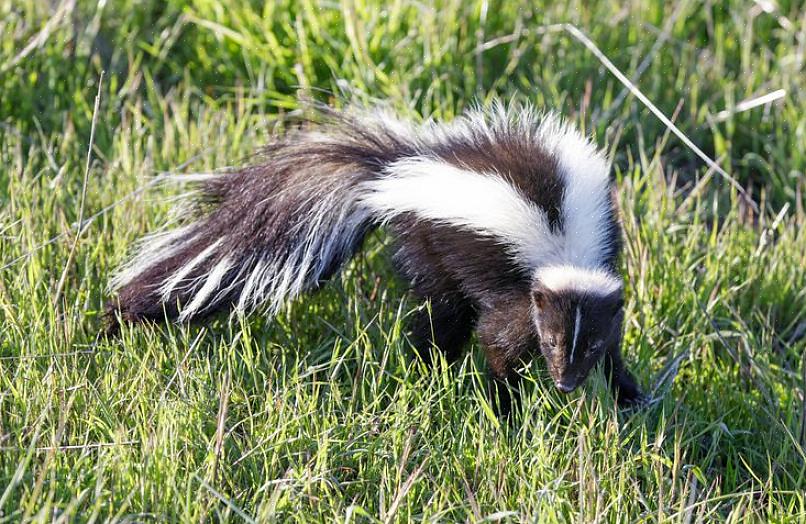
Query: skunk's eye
[[552, 340], [595, 348]]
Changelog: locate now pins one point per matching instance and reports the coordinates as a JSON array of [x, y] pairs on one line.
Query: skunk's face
[[576, 329]]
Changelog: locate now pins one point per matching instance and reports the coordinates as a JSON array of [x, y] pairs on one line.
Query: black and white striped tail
[[267, 233]]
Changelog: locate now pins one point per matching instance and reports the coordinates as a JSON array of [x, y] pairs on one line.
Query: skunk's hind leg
[[445, 322]]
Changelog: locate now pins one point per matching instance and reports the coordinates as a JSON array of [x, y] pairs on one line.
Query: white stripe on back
[[484, 203], [488, 204]]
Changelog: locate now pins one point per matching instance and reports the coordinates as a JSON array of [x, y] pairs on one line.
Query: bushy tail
[[262, 235]]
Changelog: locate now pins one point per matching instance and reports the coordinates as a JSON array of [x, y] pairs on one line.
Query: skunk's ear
[[539, 296]]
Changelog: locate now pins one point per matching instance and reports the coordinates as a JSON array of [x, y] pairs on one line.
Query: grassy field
[[322, 414]]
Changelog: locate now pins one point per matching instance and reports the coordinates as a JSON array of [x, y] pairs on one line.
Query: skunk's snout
[[565, 387]]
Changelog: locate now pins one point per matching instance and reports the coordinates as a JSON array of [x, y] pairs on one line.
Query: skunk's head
[[578, 316]]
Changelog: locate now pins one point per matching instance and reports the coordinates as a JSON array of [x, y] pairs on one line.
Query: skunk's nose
[[565, 387]]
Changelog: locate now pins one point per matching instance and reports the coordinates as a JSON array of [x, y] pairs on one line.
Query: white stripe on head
[[577, 320], [484, 203], [575, 278]]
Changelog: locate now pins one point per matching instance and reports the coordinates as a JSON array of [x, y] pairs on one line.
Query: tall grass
[[322, 413]]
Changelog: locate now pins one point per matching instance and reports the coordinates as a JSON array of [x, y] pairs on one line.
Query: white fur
[[571, 260], [328, 230], [211, 284], [484, 203], [584, 171], [577, 321], [151, 250], [575, 278], [156, 247], [488, 204], [181, 274], [586, 206]]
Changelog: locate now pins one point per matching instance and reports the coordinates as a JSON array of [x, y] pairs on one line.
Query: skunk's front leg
[[504, 386], [445, 323], [622, 383], [507, 333]]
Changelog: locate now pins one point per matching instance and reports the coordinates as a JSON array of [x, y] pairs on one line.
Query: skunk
[[504, 221]]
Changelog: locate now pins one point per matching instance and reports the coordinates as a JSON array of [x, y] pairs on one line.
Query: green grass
[[321, 414]]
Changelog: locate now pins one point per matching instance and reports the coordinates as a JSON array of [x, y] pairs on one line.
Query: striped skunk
[[504, 220]]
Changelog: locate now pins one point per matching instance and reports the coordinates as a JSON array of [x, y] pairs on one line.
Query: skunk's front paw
[[636, 401], [627, 392]]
